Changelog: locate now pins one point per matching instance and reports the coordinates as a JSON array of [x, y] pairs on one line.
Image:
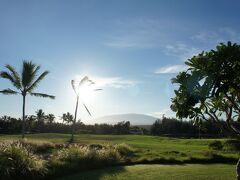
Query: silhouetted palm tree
[[50, 118], [77, 85], [25, 83], [67, 117]]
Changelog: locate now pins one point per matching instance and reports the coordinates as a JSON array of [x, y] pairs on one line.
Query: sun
[[86, 93]]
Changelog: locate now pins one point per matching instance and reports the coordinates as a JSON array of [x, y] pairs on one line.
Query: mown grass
[[165, 172], [147, 148]]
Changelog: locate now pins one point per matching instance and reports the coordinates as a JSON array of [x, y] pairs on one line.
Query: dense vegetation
[[162, 127], [27, 160]]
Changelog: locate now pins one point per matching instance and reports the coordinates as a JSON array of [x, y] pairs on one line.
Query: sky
[[131, 49]]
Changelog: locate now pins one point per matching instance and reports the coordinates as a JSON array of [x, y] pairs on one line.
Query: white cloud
[[181, 50], [164, 112], [114, 82], [171, 69]]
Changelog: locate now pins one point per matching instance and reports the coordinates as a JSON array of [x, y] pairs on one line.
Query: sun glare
[[86, 90], [86, 93]]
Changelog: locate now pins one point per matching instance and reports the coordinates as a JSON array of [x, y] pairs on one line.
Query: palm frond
[[28, 73], [15, 75], [41, 77], [83, 81], [91, 82], [87, 109], [8, 76], [42, 95], [36, 70], [9, 92], [98, 89], [74, 86]]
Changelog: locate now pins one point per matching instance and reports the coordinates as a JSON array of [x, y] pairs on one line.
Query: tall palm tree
[[77, 85], [24, 83]]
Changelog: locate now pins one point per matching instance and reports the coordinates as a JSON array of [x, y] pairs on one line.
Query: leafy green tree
[[209, 89], [25, 83]]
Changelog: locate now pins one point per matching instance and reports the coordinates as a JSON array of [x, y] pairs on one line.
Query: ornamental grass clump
[[82, 157], [18, 162], [124, 149], [38, 147]]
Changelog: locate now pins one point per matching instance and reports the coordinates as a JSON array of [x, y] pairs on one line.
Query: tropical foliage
[[210, 88], [25, 83]]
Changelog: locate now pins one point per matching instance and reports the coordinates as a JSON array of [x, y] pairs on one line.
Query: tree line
[[46, 123]]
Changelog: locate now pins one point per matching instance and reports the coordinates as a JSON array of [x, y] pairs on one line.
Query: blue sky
[[130, 48]]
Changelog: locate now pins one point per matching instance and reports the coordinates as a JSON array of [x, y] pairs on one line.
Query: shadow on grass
[[90, 174], [84, 171], [212, 160]]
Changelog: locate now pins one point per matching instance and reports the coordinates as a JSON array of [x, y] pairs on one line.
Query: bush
[[17, 162], [215, 145], [124, 149], [38, 147], [232, 145], [95, 146], [83, 157], [19, 159]]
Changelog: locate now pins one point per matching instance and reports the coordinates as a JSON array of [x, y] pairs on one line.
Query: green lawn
[[165, 172], [147, 147]]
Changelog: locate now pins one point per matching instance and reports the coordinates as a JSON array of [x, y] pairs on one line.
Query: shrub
[[95, 146], [215, 145], [108, 155], [124, 149], [17, 162], [38, 146], [82, 157], [232, 145], [72, 153]]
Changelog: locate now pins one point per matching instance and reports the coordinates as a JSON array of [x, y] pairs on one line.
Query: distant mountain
[[135, 119]]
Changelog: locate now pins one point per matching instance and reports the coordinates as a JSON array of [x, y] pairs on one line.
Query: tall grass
[[26, 160], [18, 162], [81, 157]]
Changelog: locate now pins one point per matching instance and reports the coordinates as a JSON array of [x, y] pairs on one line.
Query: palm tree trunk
[[23, 118], [74, 121], [238, 170]]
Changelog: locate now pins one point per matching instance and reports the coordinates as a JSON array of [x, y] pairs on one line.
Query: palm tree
[[40, 116], [50, 118], [24, 83], [67, 117], [77, 85]]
